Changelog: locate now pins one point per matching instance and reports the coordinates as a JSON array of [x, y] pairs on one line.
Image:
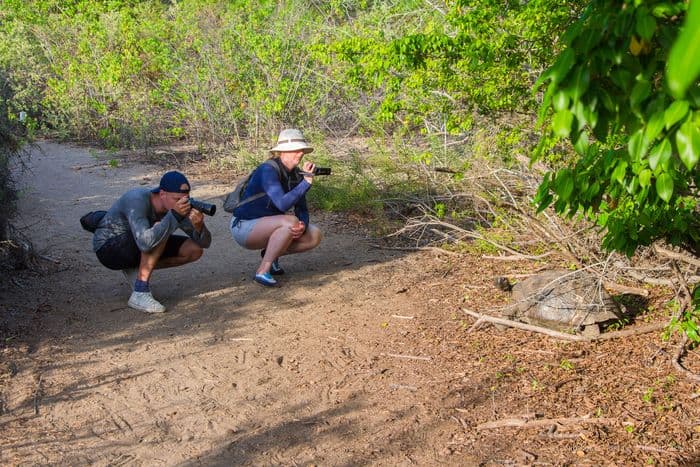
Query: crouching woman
[[276, 187]]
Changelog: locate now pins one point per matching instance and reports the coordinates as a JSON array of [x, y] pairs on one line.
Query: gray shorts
[[241, 230]]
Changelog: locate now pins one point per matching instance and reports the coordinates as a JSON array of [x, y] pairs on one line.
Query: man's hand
[[309, 168], [297, 230], [197, 219], [182, 206]]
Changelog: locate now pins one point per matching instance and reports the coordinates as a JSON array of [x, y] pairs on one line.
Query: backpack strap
[[270, 162]]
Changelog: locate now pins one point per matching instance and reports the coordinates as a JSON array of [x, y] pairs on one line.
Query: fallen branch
[[625, 289], [37, 394], [518, 257], [685, 301], [409, 357], [416, 248], [523, 422], [676, 361], [677, 256], [655, 281], [481, 318]]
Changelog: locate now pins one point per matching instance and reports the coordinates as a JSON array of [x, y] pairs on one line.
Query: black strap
[[273, 163]]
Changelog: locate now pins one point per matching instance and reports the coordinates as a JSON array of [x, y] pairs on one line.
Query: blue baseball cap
[[173, 182]]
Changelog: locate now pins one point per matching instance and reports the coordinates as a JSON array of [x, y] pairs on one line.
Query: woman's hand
[[297, 230], [309, 168]]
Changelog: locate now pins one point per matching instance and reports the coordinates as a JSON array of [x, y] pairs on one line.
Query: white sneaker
[[144, 301], [130, 274]]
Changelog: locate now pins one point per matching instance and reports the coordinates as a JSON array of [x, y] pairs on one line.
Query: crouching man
[[136, 235]]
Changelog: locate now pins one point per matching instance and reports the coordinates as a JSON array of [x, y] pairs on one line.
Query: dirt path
[[233, 373], [360, 358]]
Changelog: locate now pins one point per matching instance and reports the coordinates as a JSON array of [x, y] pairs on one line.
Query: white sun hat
[[291, 139]]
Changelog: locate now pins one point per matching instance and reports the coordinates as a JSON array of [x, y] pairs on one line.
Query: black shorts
[[121, 252]]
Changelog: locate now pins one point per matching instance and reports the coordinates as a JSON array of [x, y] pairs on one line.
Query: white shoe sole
[[136, 306]]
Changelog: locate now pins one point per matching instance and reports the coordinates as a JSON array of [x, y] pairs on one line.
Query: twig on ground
[[415, 248], [518, 257], [625, 289], [562, 335], [653, 449], [655, 281], [403, 386], [677, 256], [566, 381], [521, 422], [401, 317], [685, 301], [694, 396], [409, 357], [37, 395], [48, 258]]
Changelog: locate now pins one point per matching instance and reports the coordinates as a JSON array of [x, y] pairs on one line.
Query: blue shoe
[[265, 279], [275, 269]]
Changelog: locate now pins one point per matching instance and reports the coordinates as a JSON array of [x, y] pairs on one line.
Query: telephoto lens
[[204, 208]]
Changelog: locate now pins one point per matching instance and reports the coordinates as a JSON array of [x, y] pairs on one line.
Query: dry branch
[[677, 256], [524, 422], [613, 287], [685, 301], [434, 249], [481, 318], [518, 257]]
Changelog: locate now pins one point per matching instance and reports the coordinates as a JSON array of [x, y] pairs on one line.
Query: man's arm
[[194, 227], [147, 236]]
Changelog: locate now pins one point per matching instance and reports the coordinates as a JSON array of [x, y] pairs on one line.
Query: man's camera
[[322, 170], [204, 208]]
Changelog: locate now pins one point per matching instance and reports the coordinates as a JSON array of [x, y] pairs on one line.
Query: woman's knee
[[316, 236]]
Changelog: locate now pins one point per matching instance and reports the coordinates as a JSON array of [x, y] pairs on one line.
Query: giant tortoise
[[569, 301]]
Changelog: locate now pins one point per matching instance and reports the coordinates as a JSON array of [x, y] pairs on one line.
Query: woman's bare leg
[[273, 233]]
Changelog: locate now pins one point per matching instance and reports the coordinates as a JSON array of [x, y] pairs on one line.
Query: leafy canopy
[[624, 93]]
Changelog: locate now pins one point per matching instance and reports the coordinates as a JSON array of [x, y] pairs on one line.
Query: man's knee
[[196, 252], [190, 251]]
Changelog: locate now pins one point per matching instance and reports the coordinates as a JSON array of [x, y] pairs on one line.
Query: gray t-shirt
[[134, 212]]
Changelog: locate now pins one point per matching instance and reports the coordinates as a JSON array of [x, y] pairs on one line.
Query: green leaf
[[676, 111], [619, 173], [688, 142], [560, 101], [683, 65], [640, 91], [638, 145], [564, 184], [561, 123], [562, 66], [645, 25], [582, 143], [654, 126], [660, 154], [663, 10], [664, 186], [579, 84], [645, 178]]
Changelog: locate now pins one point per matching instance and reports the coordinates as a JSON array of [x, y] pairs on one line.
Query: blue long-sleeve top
[[281, 194]]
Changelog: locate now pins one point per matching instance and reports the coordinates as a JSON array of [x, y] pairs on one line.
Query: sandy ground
[[361, 357]]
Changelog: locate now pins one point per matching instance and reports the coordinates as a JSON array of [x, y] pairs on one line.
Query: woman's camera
[[322, 170]]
